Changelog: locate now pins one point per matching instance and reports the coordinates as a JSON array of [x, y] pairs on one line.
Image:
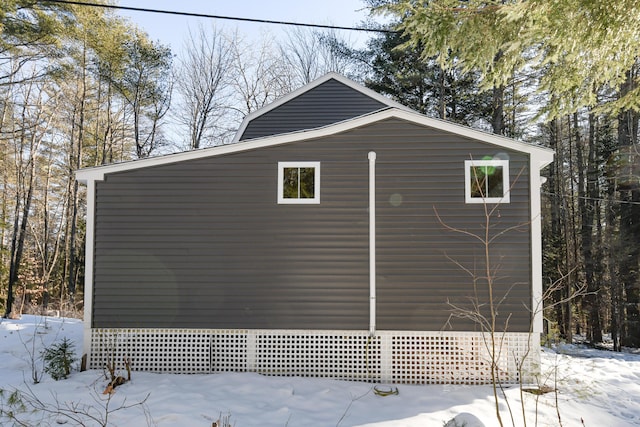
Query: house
[[334, 238]]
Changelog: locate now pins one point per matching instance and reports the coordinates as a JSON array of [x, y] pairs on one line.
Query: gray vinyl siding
[[203, 243], [328, 103]]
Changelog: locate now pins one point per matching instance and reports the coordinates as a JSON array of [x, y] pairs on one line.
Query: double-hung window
[[486, 181], [298, 182]]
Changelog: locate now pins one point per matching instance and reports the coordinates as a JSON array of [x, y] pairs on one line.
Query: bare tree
[[300, 50], [146, 87], [333, 53], [32, 123], [260, 76], [309, 54], [204, 75]]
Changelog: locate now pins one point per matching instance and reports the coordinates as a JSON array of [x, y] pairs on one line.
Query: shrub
[[58, 359]]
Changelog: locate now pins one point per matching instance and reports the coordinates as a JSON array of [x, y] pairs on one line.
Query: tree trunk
[[629, 194], [556, 243], [497, 114], [587, 205], [570, 234], [75, 156], [20, 233]]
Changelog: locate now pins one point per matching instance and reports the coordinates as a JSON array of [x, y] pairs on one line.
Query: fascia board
[[543, 156]]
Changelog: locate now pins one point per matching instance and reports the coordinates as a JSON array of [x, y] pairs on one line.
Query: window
[[299, 182], [486, 181]]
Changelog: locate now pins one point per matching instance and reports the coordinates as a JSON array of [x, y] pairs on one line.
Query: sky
[[172, 29]]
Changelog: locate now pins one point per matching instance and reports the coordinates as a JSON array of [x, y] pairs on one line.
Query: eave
[[540, 156]]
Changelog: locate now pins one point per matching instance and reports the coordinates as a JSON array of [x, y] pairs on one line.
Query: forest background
[[82, 86]]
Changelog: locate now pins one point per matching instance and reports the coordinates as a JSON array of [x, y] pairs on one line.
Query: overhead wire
[[595, 199], [274, 22], [223, 17]]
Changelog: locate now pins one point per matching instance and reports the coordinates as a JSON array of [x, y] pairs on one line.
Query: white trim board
[[541, 155]]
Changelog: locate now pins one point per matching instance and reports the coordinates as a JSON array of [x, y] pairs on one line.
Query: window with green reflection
[[298, 182], [487, 181]]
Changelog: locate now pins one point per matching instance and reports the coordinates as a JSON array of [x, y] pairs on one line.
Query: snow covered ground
[[594, 388]]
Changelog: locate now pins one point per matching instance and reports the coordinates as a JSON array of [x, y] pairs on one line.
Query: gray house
[[336, 237]]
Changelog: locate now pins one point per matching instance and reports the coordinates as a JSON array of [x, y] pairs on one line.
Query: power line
[[595, 199], [299, 24], [229, 18]]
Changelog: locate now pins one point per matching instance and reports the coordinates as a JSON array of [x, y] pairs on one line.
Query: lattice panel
[[389, 357], [338, 355], [460, 358], [229, 351], [180, 351]]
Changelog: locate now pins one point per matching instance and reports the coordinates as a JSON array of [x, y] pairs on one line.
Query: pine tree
[[58, 359]]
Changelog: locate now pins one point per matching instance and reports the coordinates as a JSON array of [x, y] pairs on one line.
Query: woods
[[572, 66], [83, 86], [73, 93]]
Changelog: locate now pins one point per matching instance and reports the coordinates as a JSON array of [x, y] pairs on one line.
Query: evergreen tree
[[581, 58], [573, 46], [390, 67]]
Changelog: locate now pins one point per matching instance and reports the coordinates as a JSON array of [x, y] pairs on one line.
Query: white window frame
[[468, 164], [316, 183]]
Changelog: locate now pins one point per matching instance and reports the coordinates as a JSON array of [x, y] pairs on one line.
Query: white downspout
[[372, 243]]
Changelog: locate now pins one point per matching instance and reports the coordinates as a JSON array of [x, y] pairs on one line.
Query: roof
[[539, 155]]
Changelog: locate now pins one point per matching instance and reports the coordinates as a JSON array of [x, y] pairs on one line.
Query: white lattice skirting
[[388, 357]]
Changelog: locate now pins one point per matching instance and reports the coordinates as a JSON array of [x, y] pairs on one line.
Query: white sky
[[172, 29]]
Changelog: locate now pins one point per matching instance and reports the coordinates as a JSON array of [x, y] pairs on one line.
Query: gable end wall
[[328, 103], [203, 243]]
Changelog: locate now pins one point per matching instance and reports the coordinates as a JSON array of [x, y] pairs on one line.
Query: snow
[[594, 388]]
